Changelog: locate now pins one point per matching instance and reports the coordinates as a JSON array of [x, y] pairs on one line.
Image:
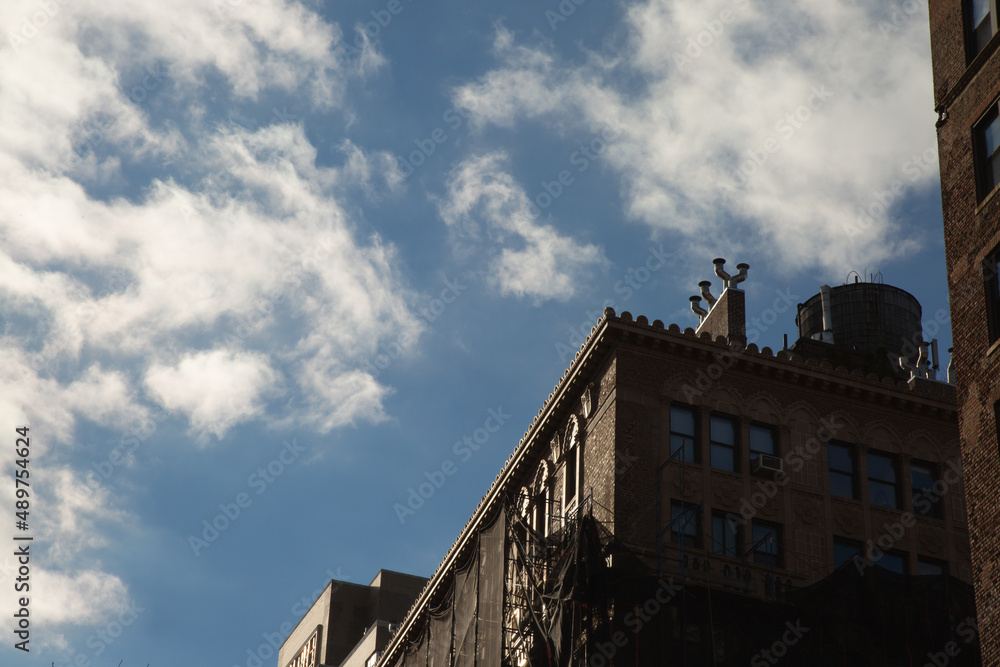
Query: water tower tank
[[869, 318]]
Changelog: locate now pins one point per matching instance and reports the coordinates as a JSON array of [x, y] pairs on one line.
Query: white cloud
[[722, 84], [215, 389], [534, 260]]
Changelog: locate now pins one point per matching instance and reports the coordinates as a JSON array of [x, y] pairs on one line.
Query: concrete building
[[964, 49], [349, 624], [685, 497]]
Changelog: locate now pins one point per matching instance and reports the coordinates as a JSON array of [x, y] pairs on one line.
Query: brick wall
[[971, 229]]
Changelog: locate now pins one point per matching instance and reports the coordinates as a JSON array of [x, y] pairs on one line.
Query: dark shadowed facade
[[964, 49], [684, 497]]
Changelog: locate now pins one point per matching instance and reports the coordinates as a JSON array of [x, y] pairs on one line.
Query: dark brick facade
[[964, 88]]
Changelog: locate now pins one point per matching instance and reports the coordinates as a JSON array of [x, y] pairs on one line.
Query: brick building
[[966, 66], [683, 497]]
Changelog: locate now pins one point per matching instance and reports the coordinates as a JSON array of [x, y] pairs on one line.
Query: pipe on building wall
[[706, 286], [698, 310]]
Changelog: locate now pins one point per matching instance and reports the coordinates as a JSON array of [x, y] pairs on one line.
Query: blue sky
[[281, 257]]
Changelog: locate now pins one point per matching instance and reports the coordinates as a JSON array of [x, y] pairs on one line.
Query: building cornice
[[613, 331]]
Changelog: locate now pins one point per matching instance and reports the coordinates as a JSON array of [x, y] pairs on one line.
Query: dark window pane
[[991, 136], [929, 567], [723, 430], [891, 562], [882, 494], [678, 442], [725, 540], [844, 552], [685, 525], [841, 485], [761, 440], [882, 468], [767, 544], [841, 459], [682, 421], [723, 457]]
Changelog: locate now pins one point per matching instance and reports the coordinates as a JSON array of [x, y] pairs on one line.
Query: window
[[991, 283], [727, 536], [570, 483], [931, 566], [766, 543], [987, 137], [894, 562], [682, 433], [685, 524], [842, 471], [373, 659], [925, 501], [723, 443], [761, 440], [882, 480], [844, 551], [982, 23]]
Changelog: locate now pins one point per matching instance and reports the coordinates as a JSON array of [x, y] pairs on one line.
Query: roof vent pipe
[[950, 374], [698, 310], [721, 272], [705, 286], [907, 365], [935, 359], [739, 277], [922, 361], [827, 335]]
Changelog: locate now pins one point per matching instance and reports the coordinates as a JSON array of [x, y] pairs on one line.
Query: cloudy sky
[[276, 258]]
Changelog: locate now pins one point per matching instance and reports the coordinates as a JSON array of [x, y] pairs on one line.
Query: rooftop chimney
[[727, 315]]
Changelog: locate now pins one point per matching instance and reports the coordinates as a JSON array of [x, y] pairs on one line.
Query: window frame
[[852, 452], [677, 508], [937, 511], [721, 547], [854, 545], [986, 180], [991, 291], [894, 462], [774, 439], [972, 42], [758, 554], [695, 456], [933, 562], [713, 443]]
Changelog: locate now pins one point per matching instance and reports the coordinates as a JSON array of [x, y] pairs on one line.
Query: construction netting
[[578, 597]]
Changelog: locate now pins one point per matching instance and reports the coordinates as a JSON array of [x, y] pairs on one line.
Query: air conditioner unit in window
[[766, 465]]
